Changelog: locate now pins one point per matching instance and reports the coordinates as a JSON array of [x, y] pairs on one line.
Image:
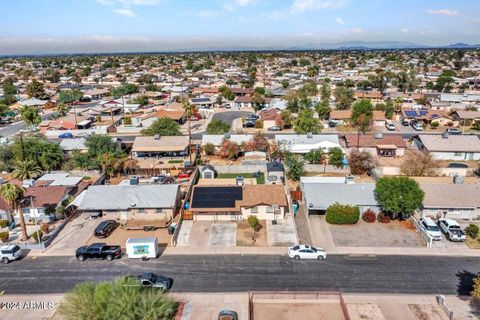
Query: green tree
[[47, 155], [254, 224], [325, 92], [285, 84], [30, 115], [286, 118], [315, 156], [399, 196], [141, 100], [361, 162], [122, 298], [62, 109], [26, 169], [9, 87], [3, 109], [218, 127], [307, 123], [6, 158], [335, 157], [323, 110], [227, 93], [69, 96], [209, 149], [344, 97], [35, 89], [164, 127], [295, 167], [13, 196]]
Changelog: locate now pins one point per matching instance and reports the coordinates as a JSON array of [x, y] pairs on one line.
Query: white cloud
[[232, 5], [125, 12], [339, 20], [444, 12], [299, 6], [427, 32], [353, 31], [404, 30]]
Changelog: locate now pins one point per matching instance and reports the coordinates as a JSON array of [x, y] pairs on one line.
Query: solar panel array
[[216, 197]]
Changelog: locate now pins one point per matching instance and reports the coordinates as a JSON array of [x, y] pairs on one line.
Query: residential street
[[234, 273], [12, 129]]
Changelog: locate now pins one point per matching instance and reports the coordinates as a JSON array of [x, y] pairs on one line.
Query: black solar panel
[[216, 197]]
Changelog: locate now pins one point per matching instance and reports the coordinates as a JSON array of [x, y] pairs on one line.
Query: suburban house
[[203, 102], [318, 196], [453, 201], [450, 147], [343, 116], [69, 146], [96, 94], [373, 96], [427, 116], [303, 143], [376, 144], [275, 173], [132, 202], [269, 118], [243, 102], [465, 117], [160, 146], [237, 203]]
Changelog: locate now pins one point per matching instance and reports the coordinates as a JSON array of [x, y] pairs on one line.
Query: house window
[[159, 210], [270, 209], [457, 154], [254, 210], [141, 210]]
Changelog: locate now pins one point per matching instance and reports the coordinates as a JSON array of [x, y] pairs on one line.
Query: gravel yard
[[362, 234]]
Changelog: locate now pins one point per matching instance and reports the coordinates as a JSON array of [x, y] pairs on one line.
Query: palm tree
[[26, 169], [13, 196], [62, 109], [189, 111]]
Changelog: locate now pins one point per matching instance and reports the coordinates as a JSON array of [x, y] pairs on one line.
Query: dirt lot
[[427, 312], [362, 234], [297, 311], [120, 237], [365, 311], [244, 235]]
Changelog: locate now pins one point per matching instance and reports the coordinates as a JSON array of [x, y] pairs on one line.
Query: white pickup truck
[[451, 229]]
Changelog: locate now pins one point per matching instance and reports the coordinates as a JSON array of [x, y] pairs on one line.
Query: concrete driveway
[[75, 234], [223, 234], [229, 116], [283, 233]]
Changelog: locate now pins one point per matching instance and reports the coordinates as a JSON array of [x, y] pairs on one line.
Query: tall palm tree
[[26, 169], [189, 111], [13, 196]]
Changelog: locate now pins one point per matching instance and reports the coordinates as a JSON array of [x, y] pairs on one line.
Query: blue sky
[[55, 26]]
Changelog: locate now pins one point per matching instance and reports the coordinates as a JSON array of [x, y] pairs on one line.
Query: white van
[[142, 248], [390, 125], [431, 228]]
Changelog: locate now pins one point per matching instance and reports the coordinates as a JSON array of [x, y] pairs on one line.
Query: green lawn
[[175, 161], [260, 179]]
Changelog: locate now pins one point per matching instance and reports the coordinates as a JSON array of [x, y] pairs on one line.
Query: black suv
[[105, 228]]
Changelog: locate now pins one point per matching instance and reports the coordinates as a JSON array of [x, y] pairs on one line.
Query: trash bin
[[171, 229]]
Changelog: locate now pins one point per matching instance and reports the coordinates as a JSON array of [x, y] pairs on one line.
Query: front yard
[[362, 234], [245, 233]]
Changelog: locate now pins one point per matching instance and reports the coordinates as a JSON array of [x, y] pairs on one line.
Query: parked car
[[303, 251], [10, 253], [431, 228], [453, 131], [332, 124], [405, 123], [390, 125], [152, 280], [249, 124], [105, 228], [66, 135], [451, 229], [275, 128], [251, 116], [227, 315], [417, 126], [98, 251]]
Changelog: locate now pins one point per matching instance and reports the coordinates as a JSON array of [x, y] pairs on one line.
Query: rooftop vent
[[458, 179], [309, 135], [156, 137], [226, 135], [378, 135]]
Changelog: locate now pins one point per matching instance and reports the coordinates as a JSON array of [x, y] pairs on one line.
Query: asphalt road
[[229, 116], [235, 273], [13, 128]]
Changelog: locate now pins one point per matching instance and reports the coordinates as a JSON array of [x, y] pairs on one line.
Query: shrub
[[4, 236], [383, 218], [259, 124], [45, 227], [254, 223], [472, 231], [127, 121], [60, 212], [369, 216], [37, 236], [342, 214], [209, 149], [3, 223]]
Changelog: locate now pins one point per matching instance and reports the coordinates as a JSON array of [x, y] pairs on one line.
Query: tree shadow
[[465, 282]]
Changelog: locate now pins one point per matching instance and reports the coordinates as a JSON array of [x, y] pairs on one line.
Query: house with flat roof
[[303, 143], [318, 196], [130, 202], [237, 203], [377, 144], [450, 147], [453, 201], [160, 146]]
